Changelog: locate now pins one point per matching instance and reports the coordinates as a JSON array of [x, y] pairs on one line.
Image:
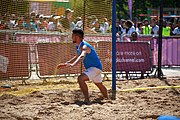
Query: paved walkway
[[168, 72]]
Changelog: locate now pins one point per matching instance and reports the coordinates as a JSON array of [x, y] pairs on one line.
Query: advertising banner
[[133, 56]]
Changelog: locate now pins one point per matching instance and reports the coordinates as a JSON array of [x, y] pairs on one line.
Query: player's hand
[[61, 65], [69, 65]]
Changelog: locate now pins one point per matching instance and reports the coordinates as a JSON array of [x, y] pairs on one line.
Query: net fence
[[35, 35]]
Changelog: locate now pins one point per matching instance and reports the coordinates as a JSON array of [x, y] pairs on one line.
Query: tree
[[141, 7]]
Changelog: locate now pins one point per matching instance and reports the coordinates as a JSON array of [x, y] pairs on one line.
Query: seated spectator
[[52, 24], [26, 23], [97, 27], [2, 25], [106, 25], [66, 22], [19, 23], [79, 23]]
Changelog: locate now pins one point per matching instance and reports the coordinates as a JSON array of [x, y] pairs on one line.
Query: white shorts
[[94, 74]]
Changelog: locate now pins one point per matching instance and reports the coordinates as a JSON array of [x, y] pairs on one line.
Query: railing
[[18, 51], [170, 51], [14, 61]]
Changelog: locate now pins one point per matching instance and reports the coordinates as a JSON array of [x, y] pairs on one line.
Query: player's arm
[[62, 65], [73, 59], [81, 57]]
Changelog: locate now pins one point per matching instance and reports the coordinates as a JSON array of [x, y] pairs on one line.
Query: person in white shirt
[[139, 28], [123, 26], [106, 25], [130, 27], [79, 23], [155, 28], [176, 31]]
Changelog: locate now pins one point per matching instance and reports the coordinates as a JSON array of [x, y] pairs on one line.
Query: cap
[[68, 10]]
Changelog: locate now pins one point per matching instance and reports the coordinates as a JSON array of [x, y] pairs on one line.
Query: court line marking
[[147, 88]]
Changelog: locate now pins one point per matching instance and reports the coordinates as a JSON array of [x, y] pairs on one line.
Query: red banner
[[133, 56]]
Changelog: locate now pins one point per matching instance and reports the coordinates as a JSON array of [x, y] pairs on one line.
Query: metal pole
[[160, 41], [114, 50], [84, 15], [84, 22]]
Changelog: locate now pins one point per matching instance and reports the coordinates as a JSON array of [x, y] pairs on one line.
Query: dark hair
[[78, 32], [129, 23], [134, 36]]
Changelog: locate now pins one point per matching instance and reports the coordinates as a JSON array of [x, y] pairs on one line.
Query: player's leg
[[82, 84], [103, 89], [98, 82]]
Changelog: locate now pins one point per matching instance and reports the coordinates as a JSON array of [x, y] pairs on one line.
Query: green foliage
[[141, 7]]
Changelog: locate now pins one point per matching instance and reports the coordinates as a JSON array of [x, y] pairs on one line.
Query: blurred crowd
[[147, 27], [66, 23]]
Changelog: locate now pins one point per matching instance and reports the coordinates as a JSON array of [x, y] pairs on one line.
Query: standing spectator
[[139, 28], [176, 31], [123, 26], [147, 29], [118, 27], [155, 28], [130, 27], [166, 29]]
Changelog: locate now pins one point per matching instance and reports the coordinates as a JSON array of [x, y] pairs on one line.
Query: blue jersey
[[91, 59]]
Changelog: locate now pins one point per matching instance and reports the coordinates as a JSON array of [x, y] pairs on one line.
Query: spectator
[[122, 26], [67, 23], [97, 28], [155, 28], [118, 27], [79, 23], [2, 25], [134, 36], [52, 24], [130, 27], [166, 29], [176, 31], [146, 29], [139, 28], [106, 25], [26, 23]]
